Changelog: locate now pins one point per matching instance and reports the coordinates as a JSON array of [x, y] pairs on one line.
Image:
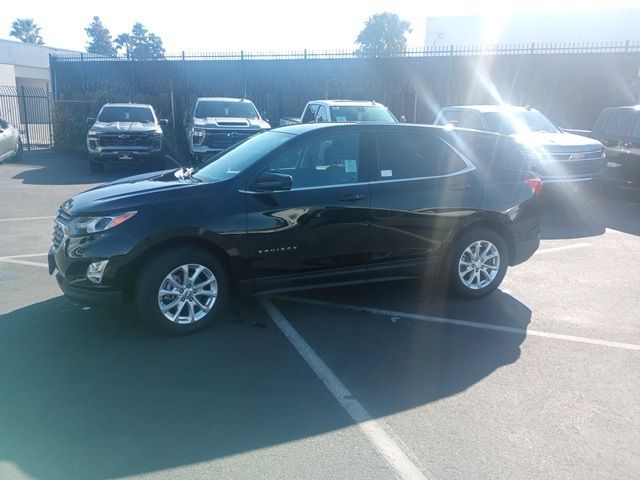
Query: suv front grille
[[566, 164], [61, 221], [124, 140], [224, 140]]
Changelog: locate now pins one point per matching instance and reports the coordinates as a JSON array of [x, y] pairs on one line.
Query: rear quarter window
[[619, 122]]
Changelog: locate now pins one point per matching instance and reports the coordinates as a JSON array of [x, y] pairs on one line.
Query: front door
[[317, 232]]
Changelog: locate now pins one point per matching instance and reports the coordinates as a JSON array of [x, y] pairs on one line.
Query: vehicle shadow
[[51, 167], [91, 394], [578, 213]]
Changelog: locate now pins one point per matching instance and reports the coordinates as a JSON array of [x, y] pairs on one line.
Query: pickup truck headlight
[[84, 225]]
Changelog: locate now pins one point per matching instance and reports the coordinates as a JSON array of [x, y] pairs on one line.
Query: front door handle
[[352, 197], [460, 186]]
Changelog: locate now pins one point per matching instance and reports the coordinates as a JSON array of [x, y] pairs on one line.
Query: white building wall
[[609, 25]]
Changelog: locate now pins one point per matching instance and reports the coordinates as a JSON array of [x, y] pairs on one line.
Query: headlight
[[100, 224], [198, 134], [156, 134], [93, 134]]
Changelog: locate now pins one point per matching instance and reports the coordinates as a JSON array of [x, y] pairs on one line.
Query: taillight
[[536, 185]]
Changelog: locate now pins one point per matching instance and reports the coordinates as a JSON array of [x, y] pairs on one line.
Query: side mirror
[[271, 182], [163, 121], [318, 120], [91, 121], [403, 119]]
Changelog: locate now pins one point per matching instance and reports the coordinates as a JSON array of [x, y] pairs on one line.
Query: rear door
[[317, 232], [423, 188], [615, 137]]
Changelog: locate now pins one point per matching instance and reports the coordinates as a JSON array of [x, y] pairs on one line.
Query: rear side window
[[323, 114], [619, 122], [406, 156], [471, 120], [450, 116]]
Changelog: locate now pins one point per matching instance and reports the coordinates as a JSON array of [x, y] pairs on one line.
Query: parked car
[[10, 143], [301, 206], [124, 133], [619, 130], [557, 156], [217, 123], [340, 111]]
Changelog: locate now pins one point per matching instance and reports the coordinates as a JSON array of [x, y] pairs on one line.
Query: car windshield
[[126, 114], [243, 155], [509, 123], [352, 113], [211, 108]]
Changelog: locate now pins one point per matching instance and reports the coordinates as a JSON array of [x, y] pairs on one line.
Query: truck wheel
[[95, 167], [17, 156], [181, 290], [478, 263]]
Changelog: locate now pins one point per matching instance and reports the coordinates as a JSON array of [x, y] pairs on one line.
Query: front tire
[[478, 263], [17, 156], [181, 290]]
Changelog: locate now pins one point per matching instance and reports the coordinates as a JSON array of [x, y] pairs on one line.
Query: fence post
[[532, 48], [305, 53], [84, 83], [626, 46], [49, 115], [26, 117]]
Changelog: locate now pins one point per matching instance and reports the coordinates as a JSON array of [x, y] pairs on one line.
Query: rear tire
[[478, 263], [181, 290]]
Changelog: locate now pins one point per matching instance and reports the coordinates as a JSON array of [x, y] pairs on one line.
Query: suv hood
[[231, 122], [124, 127], [131, 192], [556, 141]]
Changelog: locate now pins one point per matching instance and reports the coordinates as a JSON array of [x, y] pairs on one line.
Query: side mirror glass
[[91, 121], [163, 121], [271, 182], [403, 119]]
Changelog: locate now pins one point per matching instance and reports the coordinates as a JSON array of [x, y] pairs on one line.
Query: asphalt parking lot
[[539, 380]]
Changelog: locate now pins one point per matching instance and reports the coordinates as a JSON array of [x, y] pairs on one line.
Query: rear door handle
[[352, 197], [460, 186]]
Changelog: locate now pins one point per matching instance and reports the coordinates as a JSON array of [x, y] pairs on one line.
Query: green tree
[[140, 44], [25, 30], [383, 33], [100, 41]]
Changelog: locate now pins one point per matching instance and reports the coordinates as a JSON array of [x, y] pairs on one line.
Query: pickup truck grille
[[566, 164], [224, 140], [124, 140], [61, 221]]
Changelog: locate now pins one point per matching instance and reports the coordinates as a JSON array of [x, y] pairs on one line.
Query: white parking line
[[562, 248], [466, 323], [24, 256], [24, 219], [374, 432], [24, 262]]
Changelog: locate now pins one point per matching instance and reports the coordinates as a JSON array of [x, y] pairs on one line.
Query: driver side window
[[323, 161], [310, 113]]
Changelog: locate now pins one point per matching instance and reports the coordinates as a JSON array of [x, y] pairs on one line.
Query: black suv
[[124, 133], [618, 129], [301, 206]]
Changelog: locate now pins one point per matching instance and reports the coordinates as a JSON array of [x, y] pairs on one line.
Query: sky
[[223, 25]]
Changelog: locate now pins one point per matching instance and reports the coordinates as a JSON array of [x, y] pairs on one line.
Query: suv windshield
[[508, 123], [361, 114], [207, 109], [126, 114], [243, 155]]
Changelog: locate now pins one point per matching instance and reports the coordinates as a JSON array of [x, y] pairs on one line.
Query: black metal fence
[[571, 83], [29, 109]]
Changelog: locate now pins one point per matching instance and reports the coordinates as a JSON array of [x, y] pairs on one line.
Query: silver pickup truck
[[338, 111], [217, 123]]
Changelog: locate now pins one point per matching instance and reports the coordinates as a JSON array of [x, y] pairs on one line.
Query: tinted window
[[471, 120], [450, 116], [619, 122], [373, 113], [214, 108], [327, 160], [243, 155], [415, 156], [510, 122], [126, 114], [310, 113]]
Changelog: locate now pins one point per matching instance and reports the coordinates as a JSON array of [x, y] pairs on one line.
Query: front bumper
[[95, 296]]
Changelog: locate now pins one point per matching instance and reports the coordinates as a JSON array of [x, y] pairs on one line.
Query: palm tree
[[26, 30]]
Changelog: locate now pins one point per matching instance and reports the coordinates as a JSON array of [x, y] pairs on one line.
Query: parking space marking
[[465, 323], [374, 432], [23, 219], [24, 262], [562, 248], [24, 256]]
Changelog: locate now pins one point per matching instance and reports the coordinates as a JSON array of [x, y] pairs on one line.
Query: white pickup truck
[[337, 111]]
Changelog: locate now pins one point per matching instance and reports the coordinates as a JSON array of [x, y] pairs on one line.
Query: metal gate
[[29, 109]]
